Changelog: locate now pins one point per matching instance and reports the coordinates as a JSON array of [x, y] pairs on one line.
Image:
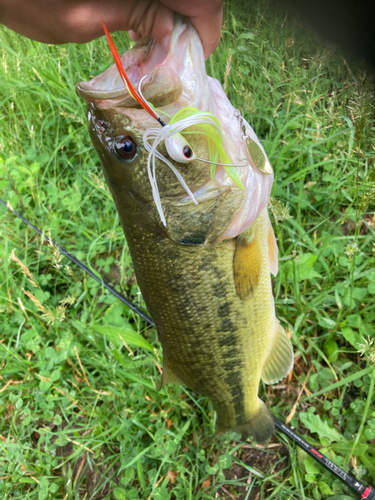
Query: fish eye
[[188, 152], [125, 148]]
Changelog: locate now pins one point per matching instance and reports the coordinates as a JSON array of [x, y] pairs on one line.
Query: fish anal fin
[[167, 377], [247, 265], [272, 250], [260, 426], [280, 359]]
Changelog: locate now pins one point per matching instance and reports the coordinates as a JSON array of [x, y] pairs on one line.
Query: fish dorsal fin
[[273, 251], [280, 359], [247, 264], [168, 377]]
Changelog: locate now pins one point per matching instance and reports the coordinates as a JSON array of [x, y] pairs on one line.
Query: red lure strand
[[123, 74]]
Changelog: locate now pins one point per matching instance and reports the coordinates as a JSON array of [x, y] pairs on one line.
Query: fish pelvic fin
[[280, 359], [247, 264], [260, 426]]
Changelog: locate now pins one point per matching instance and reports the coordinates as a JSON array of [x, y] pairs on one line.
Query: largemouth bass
[[205, 272]]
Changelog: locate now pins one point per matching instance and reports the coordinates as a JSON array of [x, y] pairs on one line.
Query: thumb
[[151, 19]]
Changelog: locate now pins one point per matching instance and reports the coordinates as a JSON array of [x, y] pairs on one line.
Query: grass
[[80, 414]]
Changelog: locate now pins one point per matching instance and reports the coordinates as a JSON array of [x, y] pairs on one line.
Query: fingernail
[[166, 42]]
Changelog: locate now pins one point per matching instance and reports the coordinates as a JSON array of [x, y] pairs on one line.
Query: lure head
[[117, 123], [179, 149]]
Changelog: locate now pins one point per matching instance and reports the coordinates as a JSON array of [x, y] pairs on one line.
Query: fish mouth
[[162, 84], [176, 77]]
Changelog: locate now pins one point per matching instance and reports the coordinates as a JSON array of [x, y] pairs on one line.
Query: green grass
[[80, 414]]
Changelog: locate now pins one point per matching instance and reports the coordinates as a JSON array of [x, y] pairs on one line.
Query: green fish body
[[205, 275]]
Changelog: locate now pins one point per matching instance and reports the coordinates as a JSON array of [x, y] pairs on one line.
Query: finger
[[53, 21], [209, 31], [206, 17], [152, 18], [140, 17], [134, 36]]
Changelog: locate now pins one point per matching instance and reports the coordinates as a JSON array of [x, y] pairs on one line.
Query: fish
[[205, 269]]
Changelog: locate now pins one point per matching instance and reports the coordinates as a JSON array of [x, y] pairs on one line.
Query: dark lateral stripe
[[224, 309], [232, 366], [227, 325], [233, 353], [228, 340], [231, 361], [233, 379], [239, 407]]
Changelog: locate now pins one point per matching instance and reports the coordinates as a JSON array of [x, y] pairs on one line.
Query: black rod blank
[[365, 492], [71, 257]]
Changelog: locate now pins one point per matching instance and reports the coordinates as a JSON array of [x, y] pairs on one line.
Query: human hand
[[79, 21], [206, 17]]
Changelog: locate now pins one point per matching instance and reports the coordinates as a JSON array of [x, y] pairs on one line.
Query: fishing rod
[[71, 257], [365, 492]]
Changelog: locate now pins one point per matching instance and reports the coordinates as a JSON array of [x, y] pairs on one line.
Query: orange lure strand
[[124, 76]]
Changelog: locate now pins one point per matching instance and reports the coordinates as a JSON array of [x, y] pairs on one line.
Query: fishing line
[[364, 492]]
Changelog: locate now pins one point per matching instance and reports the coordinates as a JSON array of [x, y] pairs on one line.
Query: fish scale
[[188, 291], [205, 274]]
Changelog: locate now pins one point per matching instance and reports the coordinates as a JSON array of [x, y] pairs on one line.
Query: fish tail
[[260, 425]]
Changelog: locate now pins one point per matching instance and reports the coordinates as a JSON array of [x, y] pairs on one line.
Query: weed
[[80, 416]]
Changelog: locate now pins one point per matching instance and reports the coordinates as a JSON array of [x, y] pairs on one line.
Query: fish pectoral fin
[[168, 377], [247, 264], [280, 359], [272, 249]]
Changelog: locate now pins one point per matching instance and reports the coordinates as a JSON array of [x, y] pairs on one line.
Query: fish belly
[[213, 341]]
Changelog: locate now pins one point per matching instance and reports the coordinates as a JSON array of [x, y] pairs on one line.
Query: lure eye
[[179, 149], [188, 152], [126, 148]]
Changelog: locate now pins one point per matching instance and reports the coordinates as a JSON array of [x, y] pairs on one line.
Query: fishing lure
[[177, 146], [180, 150]]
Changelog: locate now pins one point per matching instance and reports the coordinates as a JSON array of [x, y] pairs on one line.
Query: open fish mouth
[[170, 76], [145, 59]]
